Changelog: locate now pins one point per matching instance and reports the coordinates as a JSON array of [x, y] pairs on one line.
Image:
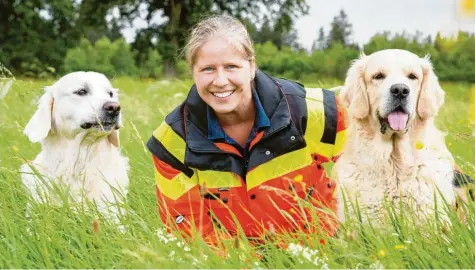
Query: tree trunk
[[173, 33], [170, 69]]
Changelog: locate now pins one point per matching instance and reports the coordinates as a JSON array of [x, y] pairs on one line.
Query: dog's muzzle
[[396, 118], [108, 119]]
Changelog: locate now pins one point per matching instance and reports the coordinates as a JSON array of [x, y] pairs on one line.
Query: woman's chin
[[222, 109]]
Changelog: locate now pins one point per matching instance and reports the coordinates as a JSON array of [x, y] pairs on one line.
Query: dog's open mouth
[[100, 125], [397, 120]]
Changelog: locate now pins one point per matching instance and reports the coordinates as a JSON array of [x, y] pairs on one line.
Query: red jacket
[[280, 186]]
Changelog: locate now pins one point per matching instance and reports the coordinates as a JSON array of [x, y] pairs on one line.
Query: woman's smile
[[222, 95]]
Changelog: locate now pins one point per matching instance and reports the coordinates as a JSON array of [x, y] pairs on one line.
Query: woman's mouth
[[223, 94]]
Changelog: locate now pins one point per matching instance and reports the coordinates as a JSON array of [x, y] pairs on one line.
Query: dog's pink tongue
[[397, 120]]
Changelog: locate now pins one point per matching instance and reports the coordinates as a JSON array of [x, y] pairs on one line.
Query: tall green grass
[[62, 237]]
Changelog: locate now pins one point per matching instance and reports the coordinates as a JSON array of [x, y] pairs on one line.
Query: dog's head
[[392, 88], [78, 102]]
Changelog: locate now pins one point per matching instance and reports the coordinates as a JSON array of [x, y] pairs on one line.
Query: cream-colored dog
[[77, 123], [393, 149]]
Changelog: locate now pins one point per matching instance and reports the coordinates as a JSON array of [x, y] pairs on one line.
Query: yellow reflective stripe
[[316, 120], [340, 141], [324, 149], [175, 187], [314, 94], [171, 141], [216, 179], [278, 166]]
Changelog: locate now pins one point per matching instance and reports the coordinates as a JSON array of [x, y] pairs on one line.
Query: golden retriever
[[393, 151], [77, 123]]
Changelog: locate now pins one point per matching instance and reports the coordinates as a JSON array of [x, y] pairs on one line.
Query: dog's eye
[[379, 76], [111, 94], [81, 92], [412, 76]]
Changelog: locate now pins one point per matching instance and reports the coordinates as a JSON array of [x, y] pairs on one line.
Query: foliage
[[111, 58], [58, 48], [35, 35]]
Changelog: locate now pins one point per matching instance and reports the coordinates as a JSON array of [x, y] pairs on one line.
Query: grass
[[62, 237]]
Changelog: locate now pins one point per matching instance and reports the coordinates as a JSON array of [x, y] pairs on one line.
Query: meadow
[[62, 237]]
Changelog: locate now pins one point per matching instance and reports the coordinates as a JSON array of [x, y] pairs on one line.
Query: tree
[[341, 31], [275, 34], [35, 35], [320, 43], [93, 20], [290, 39], [182, 14]]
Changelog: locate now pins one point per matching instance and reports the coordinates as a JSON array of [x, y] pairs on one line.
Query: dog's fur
[[380, 163], [80, 142]]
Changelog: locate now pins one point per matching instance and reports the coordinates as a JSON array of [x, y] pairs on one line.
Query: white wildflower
[[165, 238], [309, 254], [376, 265]]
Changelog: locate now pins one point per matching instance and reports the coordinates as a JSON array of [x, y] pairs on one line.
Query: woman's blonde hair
[[224, 26]]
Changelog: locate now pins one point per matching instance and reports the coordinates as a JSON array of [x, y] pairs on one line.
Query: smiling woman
[[245, 150]]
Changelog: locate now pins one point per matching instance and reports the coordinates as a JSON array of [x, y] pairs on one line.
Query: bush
[[453, 58], [112, 59]]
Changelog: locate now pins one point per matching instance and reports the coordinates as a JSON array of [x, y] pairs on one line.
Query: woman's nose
[[220, 79]]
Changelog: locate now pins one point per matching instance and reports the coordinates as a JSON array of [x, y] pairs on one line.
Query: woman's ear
[[353, 95], [253, 68], [40, 123], [431, 96]]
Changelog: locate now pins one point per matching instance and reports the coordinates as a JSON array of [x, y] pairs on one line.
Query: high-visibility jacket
[[202, 185]]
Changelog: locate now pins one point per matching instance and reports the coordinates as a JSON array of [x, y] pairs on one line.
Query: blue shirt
[[216, 132]]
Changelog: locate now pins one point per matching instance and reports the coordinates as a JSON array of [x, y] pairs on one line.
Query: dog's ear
[[40, 123], [431, 96], [113, 138], [354, 95]]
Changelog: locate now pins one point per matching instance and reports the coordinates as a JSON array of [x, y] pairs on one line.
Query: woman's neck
[[244, 114]]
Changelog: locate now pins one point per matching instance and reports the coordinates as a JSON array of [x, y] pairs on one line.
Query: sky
[[369, 17]]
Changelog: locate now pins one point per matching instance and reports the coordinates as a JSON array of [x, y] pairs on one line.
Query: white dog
[[393, 150], [77, 123]]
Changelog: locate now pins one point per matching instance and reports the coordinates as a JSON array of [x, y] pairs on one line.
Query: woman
[[245, 148]]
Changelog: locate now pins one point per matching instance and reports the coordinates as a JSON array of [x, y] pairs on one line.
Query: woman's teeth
[[223, 94]]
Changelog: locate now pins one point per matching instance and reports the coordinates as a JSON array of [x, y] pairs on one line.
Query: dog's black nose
[[399, 90], [112, 108]]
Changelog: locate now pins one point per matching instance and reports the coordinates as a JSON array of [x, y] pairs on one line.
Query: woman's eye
[[231, 66], [207, 69], [379, 76], [81, 92]]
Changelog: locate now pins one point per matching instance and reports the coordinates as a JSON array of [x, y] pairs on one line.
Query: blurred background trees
[[41, 38]]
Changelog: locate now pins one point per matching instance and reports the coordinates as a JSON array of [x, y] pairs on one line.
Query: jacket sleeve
[[341, 132], [178, 193]]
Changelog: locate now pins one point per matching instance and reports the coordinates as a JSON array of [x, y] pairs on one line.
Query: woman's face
[[223, 76]]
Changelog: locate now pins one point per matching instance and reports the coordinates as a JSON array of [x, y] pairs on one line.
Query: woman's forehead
[[218, 48]]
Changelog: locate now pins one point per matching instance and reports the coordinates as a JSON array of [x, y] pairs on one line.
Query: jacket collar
[[272, 98]]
